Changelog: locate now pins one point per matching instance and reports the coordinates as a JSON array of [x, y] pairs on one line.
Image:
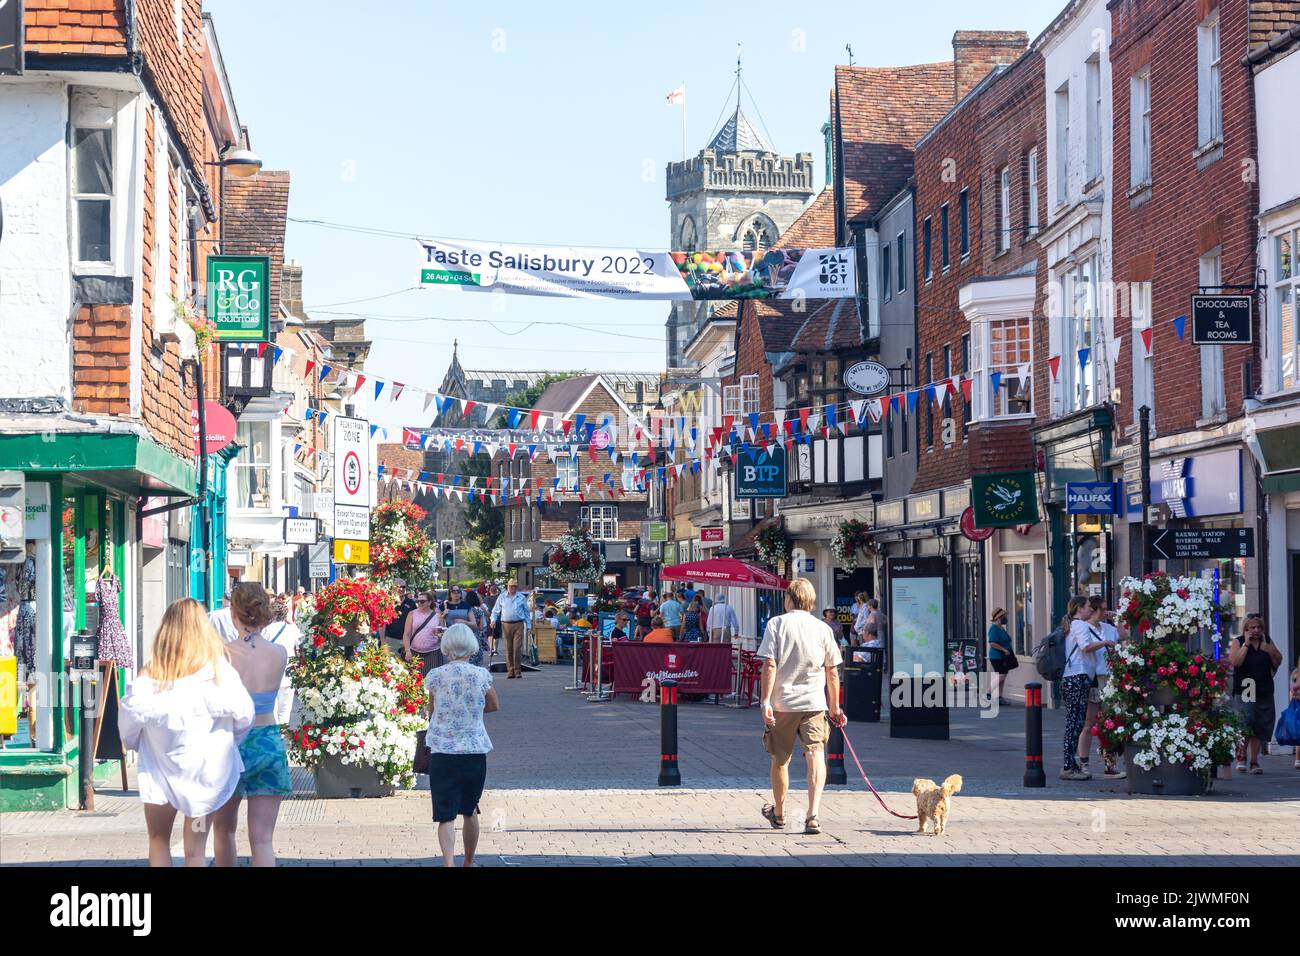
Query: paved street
[[572, 782]]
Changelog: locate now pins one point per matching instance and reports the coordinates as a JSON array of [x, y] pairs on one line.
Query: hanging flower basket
[[853, 536], [359, 719], [773, 545], [400, 547], [347, 612], [576, 557], [1164, 703]]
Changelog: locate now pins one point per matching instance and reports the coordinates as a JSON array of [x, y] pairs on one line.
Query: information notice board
[[918, 607]]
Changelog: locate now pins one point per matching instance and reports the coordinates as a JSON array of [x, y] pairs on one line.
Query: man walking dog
[[801, 682]]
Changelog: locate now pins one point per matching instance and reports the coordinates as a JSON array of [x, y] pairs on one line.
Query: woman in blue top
[[1001, 654], [265, 780]]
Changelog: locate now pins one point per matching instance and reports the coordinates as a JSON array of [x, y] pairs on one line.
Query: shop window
[[92, 184], [1031, 200], [1209, 109], [252, 469], [1004, 351], [566, 469], [601, 521], [1078, 373], [1020, 607], [1213, 400], [1143, 358], [1283, 334], [749, 394]]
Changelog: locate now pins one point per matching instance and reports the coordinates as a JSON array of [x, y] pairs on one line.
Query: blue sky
[[527, 122]]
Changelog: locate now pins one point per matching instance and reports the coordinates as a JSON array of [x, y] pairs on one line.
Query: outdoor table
[[697, 668]]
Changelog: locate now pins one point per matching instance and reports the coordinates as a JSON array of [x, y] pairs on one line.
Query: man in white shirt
[[511, 609], [723, 623], [801, 682]]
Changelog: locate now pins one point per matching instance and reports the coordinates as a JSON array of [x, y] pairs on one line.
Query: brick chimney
[[291, 287], [976, 52]]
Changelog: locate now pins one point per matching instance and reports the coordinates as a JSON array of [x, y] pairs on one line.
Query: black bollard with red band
[[835, 772], [669, 775], [1034, 775]]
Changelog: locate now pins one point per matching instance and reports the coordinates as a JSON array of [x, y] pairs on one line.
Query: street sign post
[[1191, 544], [351, 490]]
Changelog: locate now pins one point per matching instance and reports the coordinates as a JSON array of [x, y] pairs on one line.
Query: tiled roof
[[562, 396], [882, 112], [738, 135], [779, 322], [832, 324], [815, 227]]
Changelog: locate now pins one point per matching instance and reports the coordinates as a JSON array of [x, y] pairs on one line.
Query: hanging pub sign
[[760, 474], [239, 297], [11, 36], [606, 273], [1005, 499], [1221, 320], [866, 378]]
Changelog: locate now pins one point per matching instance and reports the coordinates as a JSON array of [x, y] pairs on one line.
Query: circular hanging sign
[[600, 438], [220, 425], [867, 378], [968, 527]]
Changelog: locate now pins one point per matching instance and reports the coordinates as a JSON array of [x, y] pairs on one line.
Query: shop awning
[[728, 571], [124, 462]]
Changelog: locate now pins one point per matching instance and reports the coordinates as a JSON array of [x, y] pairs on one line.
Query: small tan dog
[[932, 801]]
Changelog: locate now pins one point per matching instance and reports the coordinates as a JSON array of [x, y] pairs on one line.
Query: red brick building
[[1185, 220], [590, 488]]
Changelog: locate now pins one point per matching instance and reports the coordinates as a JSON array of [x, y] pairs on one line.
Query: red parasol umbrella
[[729, 571]]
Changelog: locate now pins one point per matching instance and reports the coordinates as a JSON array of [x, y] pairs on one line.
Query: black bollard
[[835, 772], [1034, 775], [669, 775]]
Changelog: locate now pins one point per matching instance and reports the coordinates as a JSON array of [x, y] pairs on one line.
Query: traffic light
[[448, 553], [634, 550]]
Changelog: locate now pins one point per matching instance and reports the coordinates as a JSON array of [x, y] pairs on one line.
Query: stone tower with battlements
[[736, 193]]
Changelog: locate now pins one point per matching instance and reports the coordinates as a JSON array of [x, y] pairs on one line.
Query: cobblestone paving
[[572, 783]]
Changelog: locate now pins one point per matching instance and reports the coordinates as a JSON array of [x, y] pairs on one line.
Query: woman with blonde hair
[[260, 663], [185, 715]]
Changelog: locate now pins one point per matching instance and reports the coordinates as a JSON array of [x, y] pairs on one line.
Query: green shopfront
[[1080, 548], [84, 493]]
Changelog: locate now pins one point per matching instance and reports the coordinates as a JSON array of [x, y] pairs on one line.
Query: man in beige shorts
[[801, 682]]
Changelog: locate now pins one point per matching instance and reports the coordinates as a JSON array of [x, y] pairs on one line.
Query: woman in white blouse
[[185, 714]]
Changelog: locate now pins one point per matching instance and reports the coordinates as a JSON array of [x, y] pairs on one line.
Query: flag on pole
[[678, 96]]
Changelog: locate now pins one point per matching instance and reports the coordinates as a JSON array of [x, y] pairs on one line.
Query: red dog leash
[[848, 743]]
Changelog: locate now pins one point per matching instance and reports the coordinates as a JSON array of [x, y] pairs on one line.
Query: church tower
[[736, 193]]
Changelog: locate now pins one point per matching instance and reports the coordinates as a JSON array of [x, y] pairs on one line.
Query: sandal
[[812, 825], [769, 814], [1256, 768]]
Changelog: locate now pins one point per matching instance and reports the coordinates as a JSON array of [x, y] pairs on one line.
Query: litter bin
[[863, 676]]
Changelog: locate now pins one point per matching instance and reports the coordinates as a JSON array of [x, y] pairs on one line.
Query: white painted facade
[[1080, 187], [1278, 138], [35, 284]]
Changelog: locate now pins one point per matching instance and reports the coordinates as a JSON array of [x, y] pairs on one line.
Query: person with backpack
[[1082, 641]]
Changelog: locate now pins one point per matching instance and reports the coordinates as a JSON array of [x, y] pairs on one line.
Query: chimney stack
[[976, 52], [291, 288]]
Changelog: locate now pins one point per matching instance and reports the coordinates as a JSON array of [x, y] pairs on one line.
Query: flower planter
[[336, 780], [350, 638], [1164, 780]]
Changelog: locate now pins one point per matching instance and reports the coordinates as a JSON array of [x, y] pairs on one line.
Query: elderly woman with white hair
[[460, 693]]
